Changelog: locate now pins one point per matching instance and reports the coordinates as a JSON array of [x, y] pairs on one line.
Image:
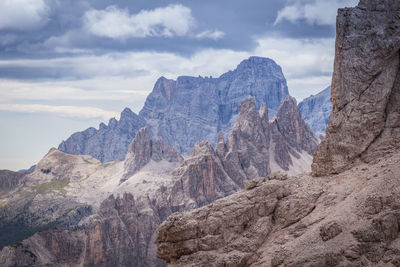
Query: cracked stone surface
[[365, 121]]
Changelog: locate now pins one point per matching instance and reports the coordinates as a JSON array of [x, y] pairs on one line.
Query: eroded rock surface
[[315, 111], [350, 219], [185, 111], [143, 149], [365, 121], [193, 109], [110, 142]]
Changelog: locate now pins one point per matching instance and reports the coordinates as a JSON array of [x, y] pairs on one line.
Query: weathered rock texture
[[143, 149], [348, 219], [365, 121], [186, 111], [315, 111], [209, 174], [73, 210], [193, 109], [9, 180], [110, 142], [351, 219]]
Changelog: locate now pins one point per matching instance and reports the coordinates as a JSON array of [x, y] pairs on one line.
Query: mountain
[[108, 143], [74, 210], [186, 111], [347, 213], [192, 109], [316, 110]]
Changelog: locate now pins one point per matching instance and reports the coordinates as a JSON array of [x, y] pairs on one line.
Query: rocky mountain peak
[[316, 109], [248, 128], [143, 149], [291, 125], [365, 121], [202, 148], [259, 66], [185, 111], [164, 87]]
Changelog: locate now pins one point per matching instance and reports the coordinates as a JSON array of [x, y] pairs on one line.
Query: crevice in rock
[[386, 113]]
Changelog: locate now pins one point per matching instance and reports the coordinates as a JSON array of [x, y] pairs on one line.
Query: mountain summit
[[186, 111]]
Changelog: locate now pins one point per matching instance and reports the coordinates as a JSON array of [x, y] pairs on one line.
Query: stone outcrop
[[365, 121], [76, 211], [209, 174], [110, 142], [193, 109], [348, 219], [143, 149], [315, 111], [9, 180], [290, 135], [186, 111]]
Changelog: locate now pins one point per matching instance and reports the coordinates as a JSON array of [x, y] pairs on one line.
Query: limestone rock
[[186, 111], [143, 149], [315, 111], [108, 143], [209, 174], [9, 180], [348, 219], [365, 121], [291, 138], [193, 109], [351, 219]]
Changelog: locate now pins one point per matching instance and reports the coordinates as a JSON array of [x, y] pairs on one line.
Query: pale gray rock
[[192, 109], [315, 111], [209, 174], [143, 149], [347, 219], [74, 210], [9, 180], [108, 143], [350, 219], [365, 121], [186, 111]]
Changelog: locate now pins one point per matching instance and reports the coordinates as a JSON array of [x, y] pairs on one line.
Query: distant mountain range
[[315, 111], [74, 210], [186, 111]]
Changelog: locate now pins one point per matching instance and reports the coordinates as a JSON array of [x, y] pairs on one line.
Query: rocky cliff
[[186, 111], [365, 121], [110, 142], [348, 219], [143, 149], [316, 110], [9, 180], [351, 219], [73, 210], [193, 109]]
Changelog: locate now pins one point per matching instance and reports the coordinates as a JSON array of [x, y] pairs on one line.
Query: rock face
[[73, 210], [365, 121], [209, 174], [9, 179], [143, 149], [316, 110], [110, 142], [189, 110], [348, 219], [186, 111]]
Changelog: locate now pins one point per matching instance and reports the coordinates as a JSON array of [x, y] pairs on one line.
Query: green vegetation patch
[[54, 185]]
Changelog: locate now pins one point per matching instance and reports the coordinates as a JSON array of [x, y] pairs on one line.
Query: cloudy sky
[[66, 65]]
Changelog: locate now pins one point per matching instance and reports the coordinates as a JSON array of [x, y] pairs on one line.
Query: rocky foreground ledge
[[351, 219]]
